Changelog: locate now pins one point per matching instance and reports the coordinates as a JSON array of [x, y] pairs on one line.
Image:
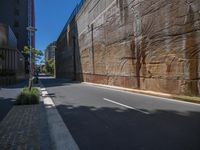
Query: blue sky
[[51, 16]]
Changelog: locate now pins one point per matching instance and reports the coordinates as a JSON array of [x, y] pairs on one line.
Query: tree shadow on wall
[[124, 129], [191, 54], [78, 76]]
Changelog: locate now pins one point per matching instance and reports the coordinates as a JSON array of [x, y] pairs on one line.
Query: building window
[[16, 24]]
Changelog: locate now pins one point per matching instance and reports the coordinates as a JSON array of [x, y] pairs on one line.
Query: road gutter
[[60, 134], [172, 97]]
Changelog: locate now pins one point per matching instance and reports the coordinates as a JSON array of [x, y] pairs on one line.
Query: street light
[[31, 30]]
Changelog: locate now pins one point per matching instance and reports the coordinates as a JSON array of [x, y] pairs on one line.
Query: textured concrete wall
[[145, 44], [64, 54]]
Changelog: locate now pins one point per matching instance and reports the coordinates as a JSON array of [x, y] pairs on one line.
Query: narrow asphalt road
[[106, 119]]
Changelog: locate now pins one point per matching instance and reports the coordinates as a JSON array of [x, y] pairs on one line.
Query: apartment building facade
[[19, 14], [11, 59]]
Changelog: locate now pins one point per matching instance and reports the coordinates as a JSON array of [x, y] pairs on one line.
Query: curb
[[59, 133], [188, 99]]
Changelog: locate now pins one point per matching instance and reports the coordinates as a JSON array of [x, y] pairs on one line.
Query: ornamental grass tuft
[[27, 97]]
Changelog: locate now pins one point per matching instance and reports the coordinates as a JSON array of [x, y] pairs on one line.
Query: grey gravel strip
[[60, 135]]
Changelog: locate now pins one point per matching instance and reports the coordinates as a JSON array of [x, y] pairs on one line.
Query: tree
[[50, 65], [37, 54]]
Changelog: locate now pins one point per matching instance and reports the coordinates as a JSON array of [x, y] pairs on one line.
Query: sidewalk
[[25, 128], [7, 97]]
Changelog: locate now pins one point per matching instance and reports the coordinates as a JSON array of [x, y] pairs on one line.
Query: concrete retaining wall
[[149, 44]]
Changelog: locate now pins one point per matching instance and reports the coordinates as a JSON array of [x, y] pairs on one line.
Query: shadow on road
[[5, 106], [112, 128], [50, 81], [124, 129], [23, 83]]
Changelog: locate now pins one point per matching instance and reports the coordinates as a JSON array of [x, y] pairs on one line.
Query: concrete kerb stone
[[187, 99], [60, 134]]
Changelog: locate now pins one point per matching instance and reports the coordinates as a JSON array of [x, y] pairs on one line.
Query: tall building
[[11, 59], [18, 14], [50, 52]]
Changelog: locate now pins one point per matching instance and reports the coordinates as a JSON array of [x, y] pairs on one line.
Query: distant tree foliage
[[36, 53], [50, 66]]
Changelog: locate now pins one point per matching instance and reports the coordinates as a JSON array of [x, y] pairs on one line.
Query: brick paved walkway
[[25, 128], [8, 96]]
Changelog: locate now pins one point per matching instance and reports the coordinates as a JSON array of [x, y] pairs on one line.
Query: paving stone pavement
[[7, 97], [25, 128]]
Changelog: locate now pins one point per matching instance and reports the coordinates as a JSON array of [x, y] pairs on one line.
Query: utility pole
[[31, 33]]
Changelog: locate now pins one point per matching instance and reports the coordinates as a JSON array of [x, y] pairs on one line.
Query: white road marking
[[43, 89], [129, 107], [113, 88]]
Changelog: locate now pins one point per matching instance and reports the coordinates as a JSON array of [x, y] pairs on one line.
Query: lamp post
[[31, 30]]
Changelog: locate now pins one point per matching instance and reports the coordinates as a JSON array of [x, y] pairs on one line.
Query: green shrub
[[27, 97]]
